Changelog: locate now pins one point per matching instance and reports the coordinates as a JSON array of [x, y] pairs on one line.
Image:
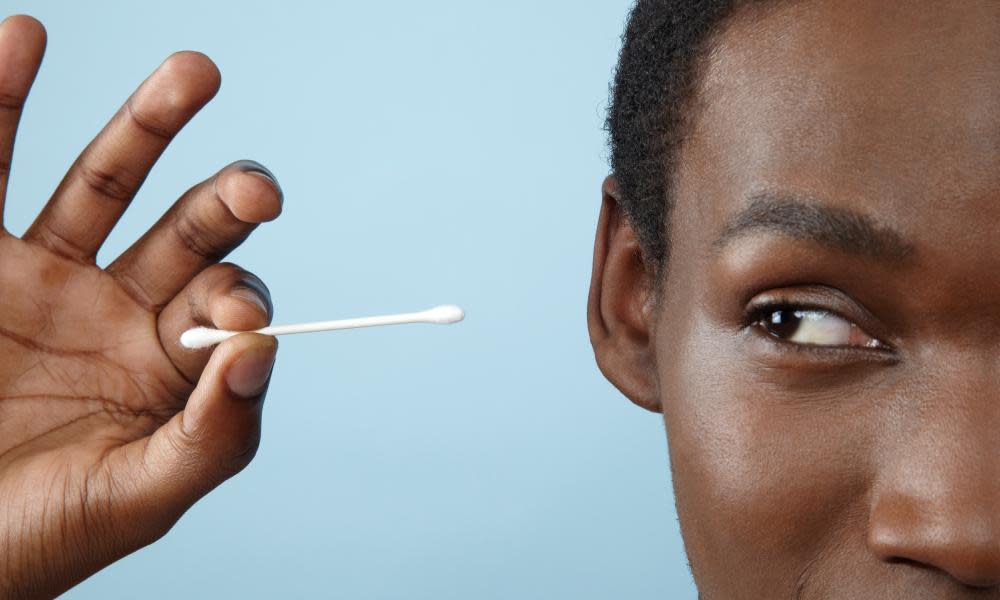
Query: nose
[[936, 495]]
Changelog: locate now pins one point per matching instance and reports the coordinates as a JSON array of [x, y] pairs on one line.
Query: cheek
[[765, 478]]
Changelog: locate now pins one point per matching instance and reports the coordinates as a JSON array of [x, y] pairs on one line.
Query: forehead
[[892, 109]]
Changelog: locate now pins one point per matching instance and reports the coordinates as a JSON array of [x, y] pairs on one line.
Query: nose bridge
[[936, 494]]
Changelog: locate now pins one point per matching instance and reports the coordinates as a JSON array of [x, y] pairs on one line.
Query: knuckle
[[198, 237], [183, 441], [10, 102], [113, 184], [140, 294], [135, 289], [244, 453], [147, 122], [50, 237]]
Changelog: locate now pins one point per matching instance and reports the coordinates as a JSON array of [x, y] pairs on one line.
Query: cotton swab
[[203, 337]]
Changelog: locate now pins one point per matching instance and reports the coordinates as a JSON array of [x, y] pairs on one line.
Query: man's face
[[848, 154]]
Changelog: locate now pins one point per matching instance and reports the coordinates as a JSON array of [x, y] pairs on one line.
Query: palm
[[82, 375], [83, 369], [109, 429]]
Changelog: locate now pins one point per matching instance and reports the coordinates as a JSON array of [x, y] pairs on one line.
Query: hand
[[109, 429]]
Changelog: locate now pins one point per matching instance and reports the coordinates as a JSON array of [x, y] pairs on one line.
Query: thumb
[[212, 439]]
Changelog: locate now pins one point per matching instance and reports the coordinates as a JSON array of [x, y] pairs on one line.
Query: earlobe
[[619, 308]]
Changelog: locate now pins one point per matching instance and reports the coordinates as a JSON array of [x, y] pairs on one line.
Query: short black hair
[[650, 97]]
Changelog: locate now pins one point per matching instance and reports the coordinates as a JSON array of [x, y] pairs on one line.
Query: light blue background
[[429, 152]]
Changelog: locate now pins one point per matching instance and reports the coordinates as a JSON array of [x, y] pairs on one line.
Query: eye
[[812, 327]]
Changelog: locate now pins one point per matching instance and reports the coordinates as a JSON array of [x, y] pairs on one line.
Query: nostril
[[967, 579], [951, 542]]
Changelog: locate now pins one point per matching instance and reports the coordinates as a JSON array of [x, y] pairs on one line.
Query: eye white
[[822, 328]]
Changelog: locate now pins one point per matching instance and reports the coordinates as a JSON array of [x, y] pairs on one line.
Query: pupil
[[783, 323]]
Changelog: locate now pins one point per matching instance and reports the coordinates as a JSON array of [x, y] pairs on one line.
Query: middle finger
[[104, 179]]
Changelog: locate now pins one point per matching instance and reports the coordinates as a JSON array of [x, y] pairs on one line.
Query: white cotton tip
[[445, 314], [203, 337]]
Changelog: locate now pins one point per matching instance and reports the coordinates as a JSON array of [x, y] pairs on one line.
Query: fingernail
[[255, 168], [253, 290], [248, 376]]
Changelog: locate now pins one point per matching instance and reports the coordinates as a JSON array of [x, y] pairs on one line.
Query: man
[[797, 264], [794, 263]]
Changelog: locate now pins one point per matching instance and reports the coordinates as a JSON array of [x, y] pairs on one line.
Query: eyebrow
[[803, 218]]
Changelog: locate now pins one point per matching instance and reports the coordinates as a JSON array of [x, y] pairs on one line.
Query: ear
[[619, 309]]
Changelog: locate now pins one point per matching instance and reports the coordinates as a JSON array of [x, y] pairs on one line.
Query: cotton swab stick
[[203, 337]]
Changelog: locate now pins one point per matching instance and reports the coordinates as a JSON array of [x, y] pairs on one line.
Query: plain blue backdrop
[[429, 152]]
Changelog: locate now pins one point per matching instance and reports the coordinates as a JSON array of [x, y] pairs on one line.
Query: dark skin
[[109, 429], [854, 456]]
